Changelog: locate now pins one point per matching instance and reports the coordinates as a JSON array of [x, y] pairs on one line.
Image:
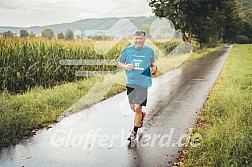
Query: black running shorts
[[137, 94]]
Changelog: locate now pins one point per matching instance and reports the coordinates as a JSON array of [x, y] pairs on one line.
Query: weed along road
[[97, 136]]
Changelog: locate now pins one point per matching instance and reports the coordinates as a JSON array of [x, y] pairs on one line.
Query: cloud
[[21, 4], [44, 12]]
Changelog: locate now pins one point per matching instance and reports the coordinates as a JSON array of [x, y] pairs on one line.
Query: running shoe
[[132, 136]]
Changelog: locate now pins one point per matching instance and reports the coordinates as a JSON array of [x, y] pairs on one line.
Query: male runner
[[139, 63]]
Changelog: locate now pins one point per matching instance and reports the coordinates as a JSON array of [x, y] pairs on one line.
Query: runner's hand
[[129, 67], [153, 70]]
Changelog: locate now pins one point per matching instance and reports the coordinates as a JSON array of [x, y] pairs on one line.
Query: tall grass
[[35, 62], [26, 63], [225, 122]]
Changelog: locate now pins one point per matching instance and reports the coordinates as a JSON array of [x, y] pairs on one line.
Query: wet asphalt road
[[97, 136]]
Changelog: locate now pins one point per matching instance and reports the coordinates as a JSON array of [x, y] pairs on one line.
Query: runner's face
[[139, 41]]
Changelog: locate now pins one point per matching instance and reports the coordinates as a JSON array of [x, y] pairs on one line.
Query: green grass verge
[[225, 122], [20, 114]]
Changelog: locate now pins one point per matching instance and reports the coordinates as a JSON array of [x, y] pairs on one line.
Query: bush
[[242, 39]]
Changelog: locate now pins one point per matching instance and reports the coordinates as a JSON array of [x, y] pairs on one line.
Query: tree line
[[49, 34], [46, 33], [209, 22]]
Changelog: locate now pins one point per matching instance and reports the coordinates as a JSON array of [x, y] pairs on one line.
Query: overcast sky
[[45, 12]]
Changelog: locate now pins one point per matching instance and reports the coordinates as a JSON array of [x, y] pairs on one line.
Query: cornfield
[[26, 63]]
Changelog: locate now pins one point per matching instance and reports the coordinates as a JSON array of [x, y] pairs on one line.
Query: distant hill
[[82, 25]]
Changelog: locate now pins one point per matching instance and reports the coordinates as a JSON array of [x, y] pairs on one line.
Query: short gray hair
[[139, 33]]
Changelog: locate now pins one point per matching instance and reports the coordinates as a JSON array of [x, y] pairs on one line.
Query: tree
[[60, 35], [246, 30], [178, 13], [69, 34], [242, 39], [219, 20], [207, 21], [32, 35], [246, 15], [230, 26], [24, 33], [7, 34], [204, 27], [47, 33]]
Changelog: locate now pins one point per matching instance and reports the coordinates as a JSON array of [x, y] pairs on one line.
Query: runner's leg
[[138, 116], [132, 106]]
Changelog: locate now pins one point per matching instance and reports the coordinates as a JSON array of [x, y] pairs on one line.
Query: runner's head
[[139, 39]]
